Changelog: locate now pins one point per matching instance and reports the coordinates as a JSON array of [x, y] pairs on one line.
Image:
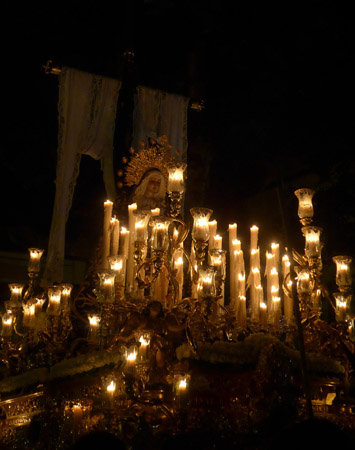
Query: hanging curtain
[[158, 113], [86, 123]]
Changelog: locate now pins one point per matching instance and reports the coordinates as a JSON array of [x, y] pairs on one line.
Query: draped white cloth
[[158, 113], [86, 123]]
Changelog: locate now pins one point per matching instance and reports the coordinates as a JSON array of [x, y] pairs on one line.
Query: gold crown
[[156, 156]]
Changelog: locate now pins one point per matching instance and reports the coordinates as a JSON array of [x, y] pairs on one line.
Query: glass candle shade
[[35, 259], [304, 283], [66, 292], [16, 293], [107, 285], [54, 297], [6, 324], [29, 311], [181, 384], [305, 205], [218, 260], [160, 233], [143, 340], [206, 285], [94, 326], [176, 180], [39, 305], [131, 357], [342, 305], [343, 275], [200, 228], [141, 219], [117, 267], [313, 246]]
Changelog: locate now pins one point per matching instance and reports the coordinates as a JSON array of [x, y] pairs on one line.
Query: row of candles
[[29, 310], [269, 293], [119, 266]]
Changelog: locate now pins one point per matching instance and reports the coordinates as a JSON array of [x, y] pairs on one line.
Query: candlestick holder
[[33, 288], [175, 200]]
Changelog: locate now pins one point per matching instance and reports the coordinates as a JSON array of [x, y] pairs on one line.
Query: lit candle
[[29, 310], [254, 298], [254, 231], [66, 292], [115, 225], [35, 258], [212, 226], [342, 304], [288, 300], [313, 244], [108, 205], [206, 286], [181, 384], [343, 276], [176, 182], [16, 293], [275, 251], [143, 338], [276, 302], [124, 236], [94, 323], [160, 233], [111, 389], [232, 233], [54, 295], [255, 258], [107, 285], [305, 206], [117, 266], [263, 315], [155, 212], [242, 309], [140, 227], [200, 228], [217, 242], [39, 306], [179, 267], [131, 357], [7, 322]]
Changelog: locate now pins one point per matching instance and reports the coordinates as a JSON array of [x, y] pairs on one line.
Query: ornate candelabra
[[133, 335]]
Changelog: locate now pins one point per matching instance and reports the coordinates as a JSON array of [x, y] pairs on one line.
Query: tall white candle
[[212, 225], [217, 242], [275, 251], [106, 233], [254, 232], [288, 301], [124, 244], [179, 267], [115, 224]]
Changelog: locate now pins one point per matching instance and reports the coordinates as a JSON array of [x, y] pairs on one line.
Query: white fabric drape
[[158, 113], [86, 123]]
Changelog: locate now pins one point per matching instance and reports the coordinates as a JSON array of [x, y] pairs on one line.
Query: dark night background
[[277, 81]]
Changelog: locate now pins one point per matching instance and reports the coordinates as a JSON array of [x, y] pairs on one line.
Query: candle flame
[[182, 384], [132, 356], [7, 320], [263, 305], [144, 341], [94, 320], [111, 387]]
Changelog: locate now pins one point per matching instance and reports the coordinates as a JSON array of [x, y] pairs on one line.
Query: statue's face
[[153, 186]]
